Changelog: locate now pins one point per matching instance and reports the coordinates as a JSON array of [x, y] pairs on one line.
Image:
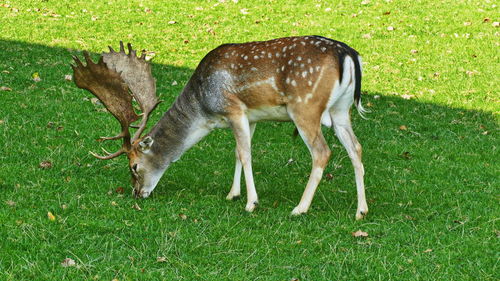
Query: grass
[[432, 188]]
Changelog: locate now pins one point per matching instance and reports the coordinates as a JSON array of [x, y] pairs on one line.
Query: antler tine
[[77, 61], [144, 121], [122, 49], [88, 59], [131, 52], [109, 156]]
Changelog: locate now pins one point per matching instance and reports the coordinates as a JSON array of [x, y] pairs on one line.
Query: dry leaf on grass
[[67, 262], [120, 190], [428, 251], [183, 216], [36, 77], [68, 77], [136, 206], [45, 165], [407, 97], [360, 233], [51, 216], [3, 88], [161, 259], [403, 128], [10, 203]]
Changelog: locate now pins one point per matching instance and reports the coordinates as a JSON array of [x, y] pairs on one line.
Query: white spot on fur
[[256, 57], [245, 57], [304, 74], [278, 55], [299, 99], [308, 97], [299, 58], [283, 68], [287, 80], [253, 69], [310, 83], [318, 68], [290, 62], [309, 60], [303, 43], [284, 49], [323, 49], [294, 83], [311, 69]]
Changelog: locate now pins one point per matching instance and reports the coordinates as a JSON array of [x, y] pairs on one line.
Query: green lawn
[[432, 185]]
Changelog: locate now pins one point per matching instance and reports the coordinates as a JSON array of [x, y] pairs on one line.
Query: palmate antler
[[114, 80]]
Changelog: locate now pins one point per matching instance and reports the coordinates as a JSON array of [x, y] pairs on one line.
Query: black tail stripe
[[357, 76]]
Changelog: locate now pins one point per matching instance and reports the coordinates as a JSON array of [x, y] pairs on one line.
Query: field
[[429, 149]]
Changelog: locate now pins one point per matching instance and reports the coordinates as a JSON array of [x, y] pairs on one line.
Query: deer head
[[116, 79]]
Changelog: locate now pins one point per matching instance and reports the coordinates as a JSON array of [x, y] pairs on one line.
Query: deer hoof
[[251, 206], [298, 211], [361, 214]]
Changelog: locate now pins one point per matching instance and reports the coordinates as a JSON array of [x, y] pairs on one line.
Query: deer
[[312, 81]]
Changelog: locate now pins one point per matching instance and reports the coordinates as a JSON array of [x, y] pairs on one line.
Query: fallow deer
[[309, 80]]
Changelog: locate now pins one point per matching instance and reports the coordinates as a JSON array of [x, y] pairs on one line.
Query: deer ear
[[146, 143]]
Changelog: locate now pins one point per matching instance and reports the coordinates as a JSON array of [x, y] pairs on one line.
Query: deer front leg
[[235, 191], [242, 134]]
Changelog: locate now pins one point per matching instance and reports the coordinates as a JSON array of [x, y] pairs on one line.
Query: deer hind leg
[[242, 134], [235, 191], [320, 152], [343, 130]]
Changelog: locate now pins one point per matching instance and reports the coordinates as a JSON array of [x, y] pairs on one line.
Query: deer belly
[[271, 113]]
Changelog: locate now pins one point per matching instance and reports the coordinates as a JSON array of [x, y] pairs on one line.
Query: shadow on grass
[[414, 152]]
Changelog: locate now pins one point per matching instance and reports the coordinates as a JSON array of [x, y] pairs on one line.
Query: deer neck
[[182, 126]]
